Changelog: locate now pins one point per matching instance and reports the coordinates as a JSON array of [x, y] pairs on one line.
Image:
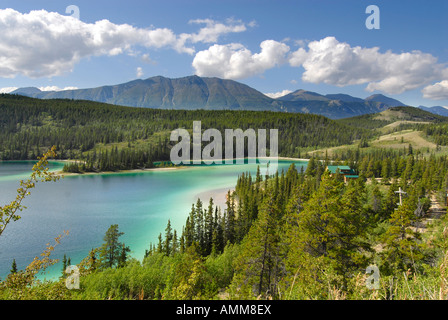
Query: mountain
[[442, 111], [27, 91], [343, 97], [303, 95], [384, 100], [193, 92], [335, 106]]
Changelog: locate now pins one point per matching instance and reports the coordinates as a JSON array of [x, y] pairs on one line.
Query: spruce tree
[[112, 248], [13, 267]]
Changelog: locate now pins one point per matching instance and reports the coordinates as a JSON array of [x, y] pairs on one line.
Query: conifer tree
[[403, 248], [13, 267], [168, 239], [112, 248], [259, 266]]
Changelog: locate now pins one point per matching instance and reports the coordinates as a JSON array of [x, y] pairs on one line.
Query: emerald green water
[[86, 205]]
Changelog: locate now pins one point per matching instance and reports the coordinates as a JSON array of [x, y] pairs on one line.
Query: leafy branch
[[40, 172]]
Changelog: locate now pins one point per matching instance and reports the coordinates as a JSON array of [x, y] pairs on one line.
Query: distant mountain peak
[[303, 95], [386, 100], [27, 91], [440, 110]]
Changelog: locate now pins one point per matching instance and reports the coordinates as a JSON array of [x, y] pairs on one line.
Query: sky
[[396, 48]]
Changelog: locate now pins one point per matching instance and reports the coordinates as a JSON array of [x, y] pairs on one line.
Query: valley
[[239, 233]]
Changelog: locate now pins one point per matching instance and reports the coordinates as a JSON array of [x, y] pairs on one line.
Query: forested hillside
[[294, 235], [109, 137]]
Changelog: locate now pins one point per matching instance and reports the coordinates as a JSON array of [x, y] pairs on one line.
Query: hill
[[396, 129], [393, 116], [28, 126], [409, 114]]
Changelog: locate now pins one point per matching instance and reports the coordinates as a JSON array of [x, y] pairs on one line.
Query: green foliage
[[106, 137], [293, 235], [40, 172], [113, 253]]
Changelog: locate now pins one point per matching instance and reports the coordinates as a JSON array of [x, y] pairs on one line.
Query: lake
[[140, 202]]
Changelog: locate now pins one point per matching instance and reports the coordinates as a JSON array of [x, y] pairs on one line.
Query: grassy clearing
[[395, 140]]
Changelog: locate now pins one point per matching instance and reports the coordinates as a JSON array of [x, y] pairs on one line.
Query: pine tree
[[209, 226], [112, 249], [403, 248], [168, 239], [199, 223], [175, 244], [190, 229], [92, 260], [333, 222], [64, 265], [160, 244], [229, 229], [121, 261], [258, 264], [13, 267]]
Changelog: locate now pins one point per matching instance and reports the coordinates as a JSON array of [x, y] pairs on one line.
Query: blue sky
[[273, 46]]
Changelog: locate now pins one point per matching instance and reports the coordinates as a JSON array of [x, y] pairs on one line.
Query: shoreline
[[60, 172], [218, 195]]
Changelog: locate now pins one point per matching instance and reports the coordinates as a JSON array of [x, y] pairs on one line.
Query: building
[[346, 171]]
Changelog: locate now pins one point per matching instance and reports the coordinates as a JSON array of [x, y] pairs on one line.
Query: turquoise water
[[86, 205]]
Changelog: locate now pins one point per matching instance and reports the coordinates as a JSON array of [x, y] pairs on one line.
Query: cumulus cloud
[[437, 91], [46, 44], [56, 88], [327, 61], [279, 94], [337, 63], [234, 61], [213, 30], [8, 89], [139, 72]]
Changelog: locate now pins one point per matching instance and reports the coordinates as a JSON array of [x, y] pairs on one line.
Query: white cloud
[[46, 88], [325, 61], [147, 59], [213, 30], [336, 63], [437, 91], [276, 95], [139, 72], [56, 88], [234, 61], [46, 44], [8, 89]]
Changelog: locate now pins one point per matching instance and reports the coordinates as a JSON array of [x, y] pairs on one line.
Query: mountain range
[[194, 92], [441, 111]]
